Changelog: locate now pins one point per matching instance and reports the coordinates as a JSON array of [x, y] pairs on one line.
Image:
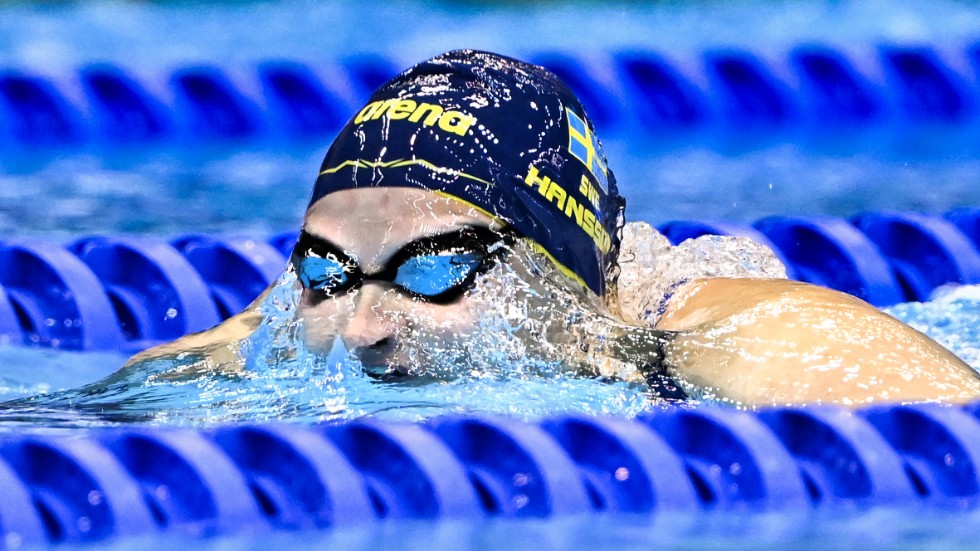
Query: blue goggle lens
[[322, 274], [431, 275], [438, 268]]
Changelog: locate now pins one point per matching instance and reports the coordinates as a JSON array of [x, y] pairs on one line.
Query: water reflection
[[538, 346]]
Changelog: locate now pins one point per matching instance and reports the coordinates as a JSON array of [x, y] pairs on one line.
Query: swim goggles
[[438, 269]]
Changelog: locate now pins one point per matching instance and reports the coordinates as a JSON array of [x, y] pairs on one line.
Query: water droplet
[[520, 501], [84, 524]]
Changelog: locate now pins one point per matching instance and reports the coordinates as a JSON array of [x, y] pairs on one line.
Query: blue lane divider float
[[748, 95], [129, 293], [126, 113], [186, 482], [517, 469], [626, 467], [20, 520], [302, 104], [648, 95], [236, 270], [299, 479], [407, 471], [212, 107], [924, 251], [78, 489], [838, 93], [251, 478], [665, 101], [841, 457], [58, 301], [156, 293], [732, 459], [35, 113], [833, 253], [926, 89], [940, 447]]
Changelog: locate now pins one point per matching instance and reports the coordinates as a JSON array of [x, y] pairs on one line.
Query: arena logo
[[428, 114]]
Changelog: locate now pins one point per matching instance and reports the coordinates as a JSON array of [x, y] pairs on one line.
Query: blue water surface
[[262, 184], [259, 187], [825, 530], [328, 389]]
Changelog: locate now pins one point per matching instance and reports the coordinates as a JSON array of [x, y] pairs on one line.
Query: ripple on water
[[952, 318]]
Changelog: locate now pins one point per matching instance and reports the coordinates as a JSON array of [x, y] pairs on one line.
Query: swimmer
[[470, 196]]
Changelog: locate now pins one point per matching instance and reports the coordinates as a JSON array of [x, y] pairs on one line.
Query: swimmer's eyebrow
[[309, 240]]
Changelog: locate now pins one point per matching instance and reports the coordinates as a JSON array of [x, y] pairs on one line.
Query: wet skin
[[749, 342], [372, 226], [371, 321], [786, 342]]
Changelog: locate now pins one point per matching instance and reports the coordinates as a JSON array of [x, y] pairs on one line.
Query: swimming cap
[[500, 134]]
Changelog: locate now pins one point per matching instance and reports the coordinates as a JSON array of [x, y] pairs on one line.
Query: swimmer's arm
[[760, 342], [219, 344]]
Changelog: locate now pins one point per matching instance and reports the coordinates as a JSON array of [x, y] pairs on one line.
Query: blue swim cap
[[505, 136]]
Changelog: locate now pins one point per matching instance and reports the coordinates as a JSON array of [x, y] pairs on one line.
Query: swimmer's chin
[[401, 375], [385, 372]]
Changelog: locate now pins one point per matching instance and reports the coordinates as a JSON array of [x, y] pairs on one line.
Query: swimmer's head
[[507, 138], [466, 164]]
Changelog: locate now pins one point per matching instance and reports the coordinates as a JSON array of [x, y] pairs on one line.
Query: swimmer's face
[[376, 264]]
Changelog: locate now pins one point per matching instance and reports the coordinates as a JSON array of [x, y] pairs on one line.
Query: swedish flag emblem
[[584, 145]]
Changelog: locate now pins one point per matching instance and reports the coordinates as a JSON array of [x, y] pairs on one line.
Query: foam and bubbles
[[952, 318], [539, 347], [651, 268]]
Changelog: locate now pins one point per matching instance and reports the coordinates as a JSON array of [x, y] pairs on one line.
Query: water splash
[[951, 317], [524, 357], [651, 269]]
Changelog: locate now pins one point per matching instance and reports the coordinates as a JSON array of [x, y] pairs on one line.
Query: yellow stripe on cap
[[398, 163], [565, 270], [363, 163]]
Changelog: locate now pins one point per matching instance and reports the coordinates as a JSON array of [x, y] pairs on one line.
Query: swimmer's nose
[[369, 334]]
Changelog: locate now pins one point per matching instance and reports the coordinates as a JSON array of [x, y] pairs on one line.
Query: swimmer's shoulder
[[776, 341], [703, 300], [220, 343]]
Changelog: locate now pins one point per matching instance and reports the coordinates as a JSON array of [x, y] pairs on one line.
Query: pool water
[[174, 194], [334, 388], [708, 173], [259, 187], [880, 529]]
